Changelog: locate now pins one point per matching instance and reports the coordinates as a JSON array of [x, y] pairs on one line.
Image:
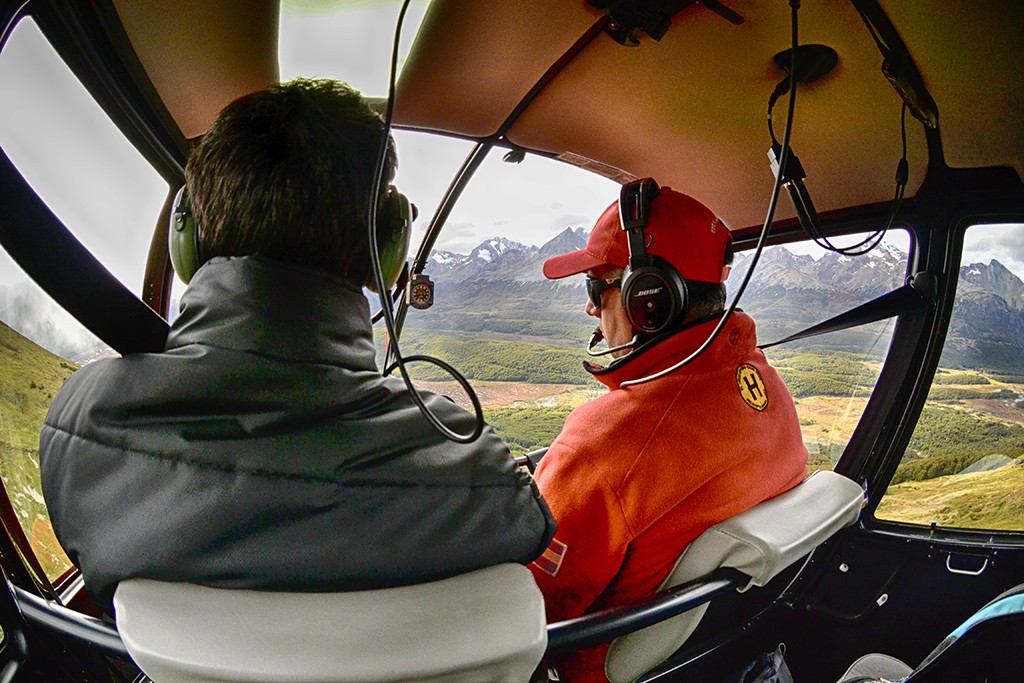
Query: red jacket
[[641, 471]]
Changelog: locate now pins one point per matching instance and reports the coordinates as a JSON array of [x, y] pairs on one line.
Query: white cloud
[[1004, 242], [458, 237]]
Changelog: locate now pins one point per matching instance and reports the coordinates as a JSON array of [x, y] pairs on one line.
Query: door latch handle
[[966, 572]]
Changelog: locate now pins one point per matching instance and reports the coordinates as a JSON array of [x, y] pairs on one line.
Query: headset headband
[[634, 214]]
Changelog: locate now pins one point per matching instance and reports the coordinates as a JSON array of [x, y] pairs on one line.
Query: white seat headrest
[[485, 625]]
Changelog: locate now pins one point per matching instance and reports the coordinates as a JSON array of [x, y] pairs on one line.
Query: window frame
[[46, 250], [941, 248]]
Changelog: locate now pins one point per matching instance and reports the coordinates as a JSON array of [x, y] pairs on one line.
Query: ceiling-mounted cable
[[769, 217], [387, 309]]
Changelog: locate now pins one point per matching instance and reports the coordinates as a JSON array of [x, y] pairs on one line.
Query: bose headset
[[653, 293], [784, 160], [394, 229]]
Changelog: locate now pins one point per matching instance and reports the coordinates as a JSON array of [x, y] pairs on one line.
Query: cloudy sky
[[510, 200], [108, 196]]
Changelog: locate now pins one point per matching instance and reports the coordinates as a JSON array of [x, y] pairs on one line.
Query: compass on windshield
[[421, 292]]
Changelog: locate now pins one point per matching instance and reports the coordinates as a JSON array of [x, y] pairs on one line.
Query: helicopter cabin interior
[[867, 156]]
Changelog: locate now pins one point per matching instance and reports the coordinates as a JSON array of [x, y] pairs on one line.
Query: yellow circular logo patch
[[751, 386]]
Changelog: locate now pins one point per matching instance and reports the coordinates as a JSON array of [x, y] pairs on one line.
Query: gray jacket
[[263, 449]]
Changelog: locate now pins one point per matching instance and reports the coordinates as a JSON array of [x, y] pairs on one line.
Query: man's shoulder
[[105, 374], [598, 434], [599, 416]]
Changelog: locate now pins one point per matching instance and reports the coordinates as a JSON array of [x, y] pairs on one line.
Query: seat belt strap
[[920, 290]]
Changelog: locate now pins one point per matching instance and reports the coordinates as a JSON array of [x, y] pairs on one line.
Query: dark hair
[[707, 299], [285, 172]]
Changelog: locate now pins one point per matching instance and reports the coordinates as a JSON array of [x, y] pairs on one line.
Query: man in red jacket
[[641, 471]]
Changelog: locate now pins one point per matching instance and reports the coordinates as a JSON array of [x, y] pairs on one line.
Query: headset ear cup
[[394, 230], [654, 297], [183, 238]]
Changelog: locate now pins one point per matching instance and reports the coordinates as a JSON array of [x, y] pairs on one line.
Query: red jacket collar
[[738, 336]]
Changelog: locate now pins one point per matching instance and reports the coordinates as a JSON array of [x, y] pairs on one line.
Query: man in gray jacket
[[263, 449]]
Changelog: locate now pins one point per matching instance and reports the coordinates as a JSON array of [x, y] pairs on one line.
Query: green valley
[[972, 422]]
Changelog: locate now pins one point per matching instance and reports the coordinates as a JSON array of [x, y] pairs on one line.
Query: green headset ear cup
[[183, 238], [394, 230]]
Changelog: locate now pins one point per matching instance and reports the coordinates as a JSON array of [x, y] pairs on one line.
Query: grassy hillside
[[979, 500], [29, 378]]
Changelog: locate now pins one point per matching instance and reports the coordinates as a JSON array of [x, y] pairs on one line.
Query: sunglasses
[[597, 286]]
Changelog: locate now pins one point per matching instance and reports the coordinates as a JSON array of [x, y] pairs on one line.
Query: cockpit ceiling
[[689, 110], [692, 112], [202, 54], [972, 58]]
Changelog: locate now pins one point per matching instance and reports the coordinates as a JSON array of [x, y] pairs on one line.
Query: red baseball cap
[[680, 230]]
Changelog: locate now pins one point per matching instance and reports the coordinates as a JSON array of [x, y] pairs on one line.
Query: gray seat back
[[759, 542], [482, 626]]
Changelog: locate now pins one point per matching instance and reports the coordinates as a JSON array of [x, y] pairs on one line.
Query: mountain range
[[499, 288], [987, 327]]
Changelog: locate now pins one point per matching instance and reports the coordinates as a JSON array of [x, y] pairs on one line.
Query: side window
[[31, 324], [831, 376], [517, 337], [71, 154], [964, 465], [108, 196]]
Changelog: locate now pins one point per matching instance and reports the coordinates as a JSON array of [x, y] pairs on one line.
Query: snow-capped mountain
[[499, 285], [496, 247], [996, 279], [847, 278], [457, 267]]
